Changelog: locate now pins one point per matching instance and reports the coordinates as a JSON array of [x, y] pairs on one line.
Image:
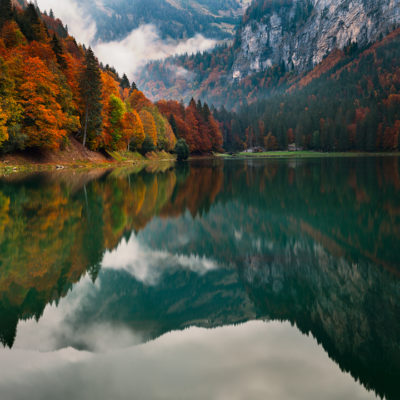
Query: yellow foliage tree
[[10, 110], [149, 125], [3, 127], [133, 131], [109, 88], [169, 134]]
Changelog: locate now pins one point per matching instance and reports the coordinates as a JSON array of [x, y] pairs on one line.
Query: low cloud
[[143, 45], [131, 53], [72, 14]]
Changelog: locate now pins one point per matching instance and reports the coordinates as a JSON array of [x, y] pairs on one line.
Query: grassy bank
[[75, 156], [302, 154], [115, 160]]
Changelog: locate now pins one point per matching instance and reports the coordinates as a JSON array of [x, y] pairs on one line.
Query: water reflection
[[251, 361], [312, 242]]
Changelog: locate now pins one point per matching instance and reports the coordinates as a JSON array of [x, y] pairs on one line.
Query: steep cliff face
[[299, 34], [276, 43]]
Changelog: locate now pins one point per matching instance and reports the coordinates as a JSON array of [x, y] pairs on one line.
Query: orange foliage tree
[[137, 101], [195, 124], [51, 87], [44, 121], [133, 132]]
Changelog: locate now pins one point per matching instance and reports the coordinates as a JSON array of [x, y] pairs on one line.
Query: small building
[[254, 150]]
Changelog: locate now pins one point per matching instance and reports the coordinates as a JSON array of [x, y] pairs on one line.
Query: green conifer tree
[[58, 51], [125, 84], [5, 11], [174, 127], [90, 86]]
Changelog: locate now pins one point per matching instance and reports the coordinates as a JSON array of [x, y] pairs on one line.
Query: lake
[[235, 279]]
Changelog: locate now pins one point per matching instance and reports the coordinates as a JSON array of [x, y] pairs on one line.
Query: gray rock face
[[301, 33]]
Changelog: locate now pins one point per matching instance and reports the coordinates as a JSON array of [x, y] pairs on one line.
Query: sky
[[132, 52]]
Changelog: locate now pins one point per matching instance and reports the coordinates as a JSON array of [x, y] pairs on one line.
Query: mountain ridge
[[175, 19], [300, 34], [276, 43]]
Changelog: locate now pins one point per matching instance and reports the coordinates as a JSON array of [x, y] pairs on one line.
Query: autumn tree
[[116, 113], [44, 121], [109, 89], [12, 35], [137, 100], [3, 127], [133, 132], [90, 85], [166, 139], [149, 126], [11, 110], [270, 142]]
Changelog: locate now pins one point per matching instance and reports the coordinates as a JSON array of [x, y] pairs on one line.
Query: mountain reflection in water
[[110, 259]]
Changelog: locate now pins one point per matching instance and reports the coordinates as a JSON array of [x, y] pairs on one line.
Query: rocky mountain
[[299, 34], [276, 42], [174, 18]]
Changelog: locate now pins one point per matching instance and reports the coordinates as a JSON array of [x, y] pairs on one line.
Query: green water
[[236, 279]]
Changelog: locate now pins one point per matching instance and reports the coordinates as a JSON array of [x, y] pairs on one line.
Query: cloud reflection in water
[[255, 360]]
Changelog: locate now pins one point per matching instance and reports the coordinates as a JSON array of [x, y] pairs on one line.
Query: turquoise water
[[245, 279]]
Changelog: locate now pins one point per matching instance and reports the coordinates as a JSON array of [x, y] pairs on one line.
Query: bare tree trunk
[[86, 124]]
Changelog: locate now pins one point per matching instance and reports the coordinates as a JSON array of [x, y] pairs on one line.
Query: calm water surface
[[258, 279]]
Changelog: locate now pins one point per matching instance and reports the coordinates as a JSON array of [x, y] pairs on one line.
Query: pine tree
[[31, 25], [174, 127], [125, 84], [206, 112], [90, 86], [5, 11], [58, 51]]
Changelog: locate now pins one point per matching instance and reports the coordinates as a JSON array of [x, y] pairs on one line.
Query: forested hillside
[[351, 101], [276, 41], [52, 88], [175, 19]]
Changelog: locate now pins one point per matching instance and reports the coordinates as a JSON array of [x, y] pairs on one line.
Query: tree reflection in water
[[212, 243]]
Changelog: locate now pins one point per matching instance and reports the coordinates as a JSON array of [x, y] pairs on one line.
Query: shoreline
[[8, 167], [304, 154]]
